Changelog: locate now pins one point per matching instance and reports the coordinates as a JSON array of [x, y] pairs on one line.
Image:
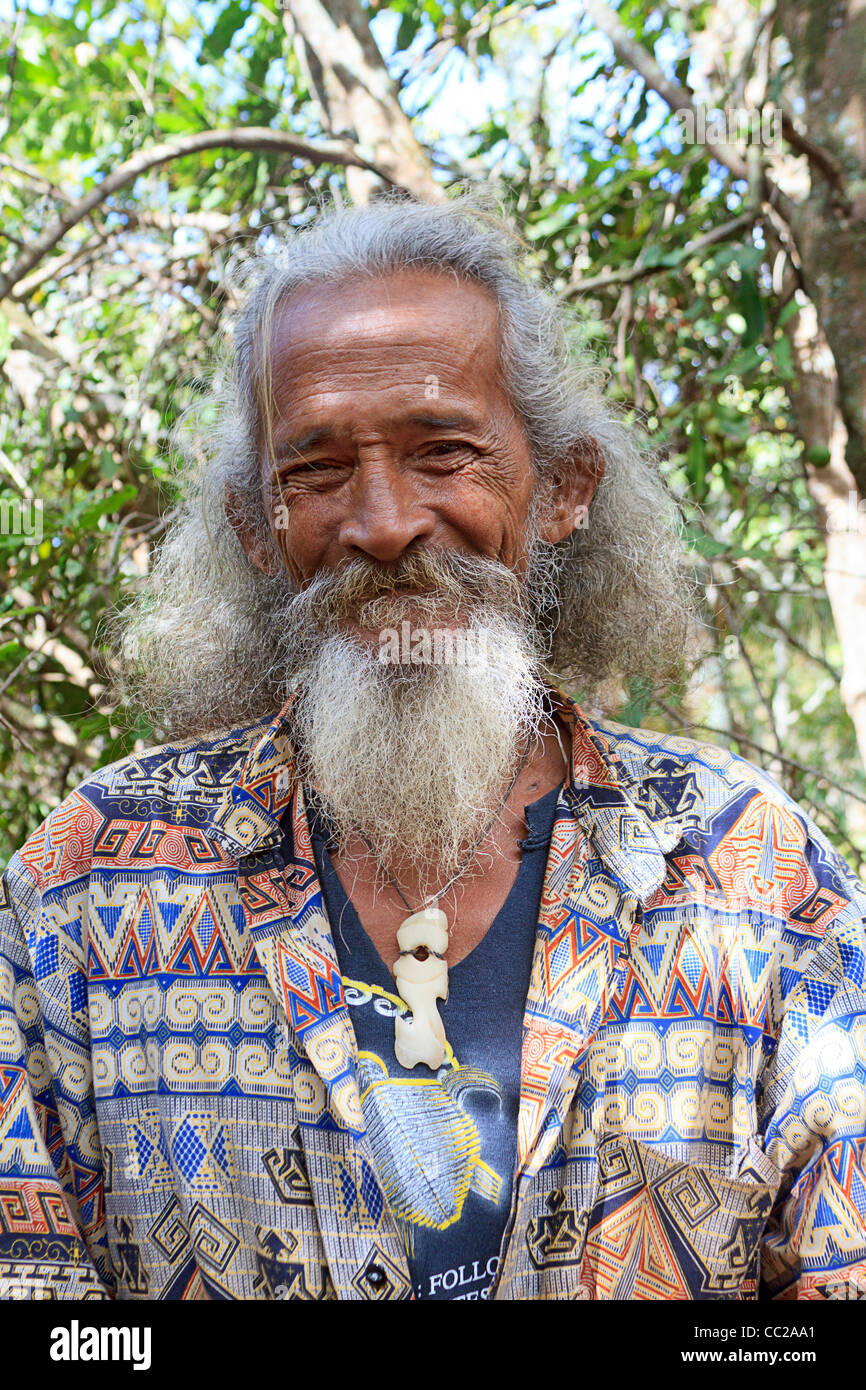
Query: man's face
[[389, 428]]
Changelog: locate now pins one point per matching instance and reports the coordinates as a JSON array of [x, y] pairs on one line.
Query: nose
[[385, 515]]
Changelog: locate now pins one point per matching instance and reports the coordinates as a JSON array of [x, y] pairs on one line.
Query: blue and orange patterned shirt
[[180, 1082]]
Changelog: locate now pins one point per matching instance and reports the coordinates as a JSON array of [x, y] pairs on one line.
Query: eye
[[291, 468], [446, 448]]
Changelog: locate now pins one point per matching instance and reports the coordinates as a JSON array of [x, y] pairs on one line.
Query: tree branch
[[238, 138], [818, 157], [16, 734], [60, 264], [739, 87], [678, 98], [640, 271], [28, 172], [356, 93], [736, 629]]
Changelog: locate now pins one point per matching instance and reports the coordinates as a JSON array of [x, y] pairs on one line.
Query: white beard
[[418, 757]]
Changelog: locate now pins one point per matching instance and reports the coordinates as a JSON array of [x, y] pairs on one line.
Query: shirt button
[[376, 1276]]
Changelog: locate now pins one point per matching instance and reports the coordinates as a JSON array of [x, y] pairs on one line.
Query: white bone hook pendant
[[422, 978]]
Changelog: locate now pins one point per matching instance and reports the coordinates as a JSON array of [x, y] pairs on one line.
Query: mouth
[[427, 605], [396, 595]]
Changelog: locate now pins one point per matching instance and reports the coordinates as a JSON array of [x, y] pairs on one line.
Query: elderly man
[[393, 974]]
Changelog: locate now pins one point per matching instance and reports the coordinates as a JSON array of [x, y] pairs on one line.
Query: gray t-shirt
[[445, 1142]]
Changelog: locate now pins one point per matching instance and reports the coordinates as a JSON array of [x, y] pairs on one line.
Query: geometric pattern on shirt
[[668, 1230], [697, 984]]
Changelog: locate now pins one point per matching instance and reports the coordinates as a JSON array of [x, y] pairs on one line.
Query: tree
[[807, 196]]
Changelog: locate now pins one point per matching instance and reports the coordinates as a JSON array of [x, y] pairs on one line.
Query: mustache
[[365, 588]]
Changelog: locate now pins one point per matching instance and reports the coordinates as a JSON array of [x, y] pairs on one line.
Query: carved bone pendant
[[422, 978]]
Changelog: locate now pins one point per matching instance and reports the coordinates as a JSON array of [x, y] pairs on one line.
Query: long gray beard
[[418, 758]]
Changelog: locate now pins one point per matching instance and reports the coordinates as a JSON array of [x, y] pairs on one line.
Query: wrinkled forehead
[[400, 318]]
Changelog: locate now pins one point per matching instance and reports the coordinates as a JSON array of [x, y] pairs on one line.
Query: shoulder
[[147, 785], [756, 842], [709, 789], [645, 755], [175, 768]]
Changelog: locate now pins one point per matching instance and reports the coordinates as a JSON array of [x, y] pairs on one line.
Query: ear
[[570, 491], [256, 551]]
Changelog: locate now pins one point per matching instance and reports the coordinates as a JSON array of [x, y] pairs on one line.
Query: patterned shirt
[[179, 1077]]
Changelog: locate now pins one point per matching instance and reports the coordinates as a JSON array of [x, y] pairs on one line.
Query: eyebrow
[[324, 434], [457, 421]]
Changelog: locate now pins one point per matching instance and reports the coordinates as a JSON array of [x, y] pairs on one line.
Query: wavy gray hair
[[203, 646]]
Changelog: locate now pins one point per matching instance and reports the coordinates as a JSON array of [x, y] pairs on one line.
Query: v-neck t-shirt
[[445, 1142]]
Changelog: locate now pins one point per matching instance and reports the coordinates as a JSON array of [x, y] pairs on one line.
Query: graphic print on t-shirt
[[445, 1142], [427, 1147], [432, 1134]]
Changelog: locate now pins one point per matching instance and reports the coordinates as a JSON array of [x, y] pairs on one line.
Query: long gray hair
[[202, 646]]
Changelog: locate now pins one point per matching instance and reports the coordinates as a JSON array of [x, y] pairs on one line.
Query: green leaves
[[554, 218], [751, 308], [229, 20], [107, 505], [783, 358], [5, 335], [743, 364], [818, 455], [696, 460]]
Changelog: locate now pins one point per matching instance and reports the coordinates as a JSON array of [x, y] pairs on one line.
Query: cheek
[[491, 519], [296, 530], [500, 506]]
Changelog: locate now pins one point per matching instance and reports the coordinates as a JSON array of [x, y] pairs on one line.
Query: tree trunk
[[841, 512], [349, 79], [828, 46], [826, 212]]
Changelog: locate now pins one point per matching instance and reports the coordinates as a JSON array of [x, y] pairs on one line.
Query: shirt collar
[[611, 796], [629, 829], [248, 818]]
